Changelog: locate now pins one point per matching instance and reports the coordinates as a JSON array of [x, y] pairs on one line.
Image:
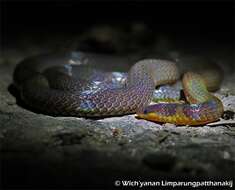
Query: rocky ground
[[44, 151]]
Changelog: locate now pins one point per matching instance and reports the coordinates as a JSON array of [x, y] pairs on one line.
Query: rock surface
[[70, 152]]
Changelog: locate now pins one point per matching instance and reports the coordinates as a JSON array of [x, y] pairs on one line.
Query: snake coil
[[48, 84]]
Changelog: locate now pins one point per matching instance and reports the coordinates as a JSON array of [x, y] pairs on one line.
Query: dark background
[[204, 21], [199, 23]]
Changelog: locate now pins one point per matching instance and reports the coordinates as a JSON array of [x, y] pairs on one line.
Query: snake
[[83, 84]]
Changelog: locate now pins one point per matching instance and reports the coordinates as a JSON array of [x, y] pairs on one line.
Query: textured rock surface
[[40, 150], [44, 150]]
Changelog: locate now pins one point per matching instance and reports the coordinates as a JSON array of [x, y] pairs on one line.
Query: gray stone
[[73, 149]]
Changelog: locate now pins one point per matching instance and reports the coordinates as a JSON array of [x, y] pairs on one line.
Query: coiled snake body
[[51, 84]]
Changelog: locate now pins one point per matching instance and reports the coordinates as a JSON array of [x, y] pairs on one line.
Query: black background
[[206, 21], [203, 22]]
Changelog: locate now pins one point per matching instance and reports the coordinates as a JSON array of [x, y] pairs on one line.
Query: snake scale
[[51, 84]]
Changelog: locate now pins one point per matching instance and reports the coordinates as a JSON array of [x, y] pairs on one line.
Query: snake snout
[[148, 110], [151, 112]]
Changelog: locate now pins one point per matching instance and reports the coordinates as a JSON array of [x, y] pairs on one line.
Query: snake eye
[[145, 111]]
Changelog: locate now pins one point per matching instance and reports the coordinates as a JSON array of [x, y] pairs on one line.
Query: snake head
[[156, 111]]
